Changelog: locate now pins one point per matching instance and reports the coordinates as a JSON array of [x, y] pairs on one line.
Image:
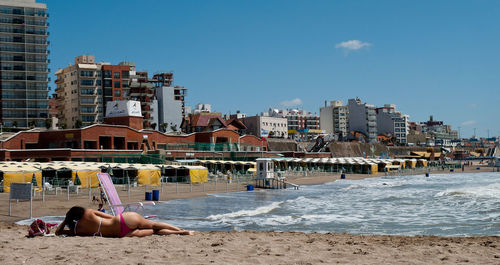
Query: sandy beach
[[247, 247]]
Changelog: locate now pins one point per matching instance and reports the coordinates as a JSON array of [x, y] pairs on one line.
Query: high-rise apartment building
[[83, 89], [142, 90], [23, 63], [390, 121], [334, 119], [115, 82], [79, 93], [363, 119], [171, 101]]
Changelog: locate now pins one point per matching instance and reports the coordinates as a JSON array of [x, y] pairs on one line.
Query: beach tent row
[[215, 166], [349, 164], [189, 173], [60, 172]]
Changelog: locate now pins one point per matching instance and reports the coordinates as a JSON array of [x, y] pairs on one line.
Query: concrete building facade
[[265, 126], [363, 118], [23, 64], [334, 119], [84, 89], [79, 93], [302, 125], [171, 101], [390, 121], [142, 90]]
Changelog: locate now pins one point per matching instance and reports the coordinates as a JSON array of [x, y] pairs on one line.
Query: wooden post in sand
[[88, 185]]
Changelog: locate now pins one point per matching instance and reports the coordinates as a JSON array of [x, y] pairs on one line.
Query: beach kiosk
[[265, 172], [266, 177]]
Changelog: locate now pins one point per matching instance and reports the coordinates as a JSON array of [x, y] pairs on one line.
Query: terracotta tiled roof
[[204, 120]]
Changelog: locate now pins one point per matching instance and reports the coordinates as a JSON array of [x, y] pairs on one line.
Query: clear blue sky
[[437, 58]]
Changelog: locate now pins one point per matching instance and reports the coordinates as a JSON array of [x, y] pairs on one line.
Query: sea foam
[[245, 213]]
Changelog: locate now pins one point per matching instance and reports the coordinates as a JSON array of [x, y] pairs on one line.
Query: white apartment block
[[265, 126], [170, 106], [302, 125], [334, 119], [390, 121], [363, 118]]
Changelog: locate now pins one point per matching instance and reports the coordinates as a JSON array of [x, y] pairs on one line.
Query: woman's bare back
[[97, 223]]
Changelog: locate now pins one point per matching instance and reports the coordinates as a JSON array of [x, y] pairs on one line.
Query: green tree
[[14, 124], [78, 124], [173, 127], [163, 127], [153, 126], [48, 123]]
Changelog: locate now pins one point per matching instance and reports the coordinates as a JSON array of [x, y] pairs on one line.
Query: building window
[[107, 74], [116, 74], [98, 82], [107, 83], [117, 93], [86, 82], [125, 74], [117, 84], [87, 73]]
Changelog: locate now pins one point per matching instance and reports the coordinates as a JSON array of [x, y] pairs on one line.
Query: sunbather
[[88, 222]]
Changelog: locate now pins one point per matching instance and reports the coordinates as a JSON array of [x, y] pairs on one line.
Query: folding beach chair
[[113, 199]]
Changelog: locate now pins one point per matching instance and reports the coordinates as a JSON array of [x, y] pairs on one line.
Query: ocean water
[[446, 205]]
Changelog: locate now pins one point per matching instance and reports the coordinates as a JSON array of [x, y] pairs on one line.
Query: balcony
[[147, 108], [88, 111], [141, 91], [87, 103]]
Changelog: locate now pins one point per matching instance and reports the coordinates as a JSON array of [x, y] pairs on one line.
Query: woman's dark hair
[[73, 215]]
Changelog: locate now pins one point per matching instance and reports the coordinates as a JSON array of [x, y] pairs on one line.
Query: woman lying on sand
[[88, 222]]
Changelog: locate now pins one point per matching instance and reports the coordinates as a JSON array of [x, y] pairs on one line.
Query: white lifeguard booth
[[265, 168]]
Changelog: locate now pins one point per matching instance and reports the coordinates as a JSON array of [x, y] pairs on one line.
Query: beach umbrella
[[77, 180], [33, 180]]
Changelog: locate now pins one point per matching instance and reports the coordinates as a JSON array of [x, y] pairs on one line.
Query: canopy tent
[[19, 173]]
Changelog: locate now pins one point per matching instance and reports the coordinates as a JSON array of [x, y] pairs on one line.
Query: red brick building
[[115, 82], [124, 135]]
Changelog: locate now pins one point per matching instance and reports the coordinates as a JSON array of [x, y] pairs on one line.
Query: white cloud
[[469, 123], [291, 103], [352, 45]]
